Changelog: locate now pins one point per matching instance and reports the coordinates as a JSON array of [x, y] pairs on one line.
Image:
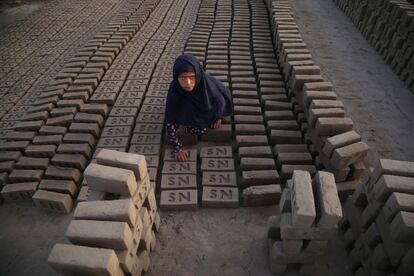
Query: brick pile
[[378, 223], [309, 212], [388, 27], [336, 147], [113, 235]]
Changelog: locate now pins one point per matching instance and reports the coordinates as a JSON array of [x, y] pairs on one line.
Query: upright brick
[[302, 200]]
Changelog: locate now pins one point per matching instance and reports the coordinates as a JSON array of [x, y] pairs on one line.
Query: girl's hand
[[182, 155], [217, 124]]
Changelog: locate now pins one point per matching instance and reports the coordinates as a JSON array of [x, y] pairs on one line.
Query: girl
[[195, 100]]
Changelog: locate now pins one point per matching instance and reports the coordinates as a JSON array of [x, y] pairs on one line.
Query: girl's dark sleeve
[[172, 136]]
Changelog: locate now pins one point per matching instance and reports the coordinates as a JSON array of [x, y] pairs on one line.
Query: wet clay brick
[[182, 181], [53, 201], [84, 149], [217, 151], [254, 163], [222, 197], [217, 164], [260, 177], [178, 200], [62, 186], [40, 151], [70, 160], [262, 195], [219, 178], [263, 151], [19, 191], [19, 175], [171, 167], [32, 163], [251, 140], [55, 172]]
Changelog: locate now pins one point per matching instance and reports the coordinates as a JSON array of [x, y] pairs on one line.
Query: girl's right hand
[[182, 155]]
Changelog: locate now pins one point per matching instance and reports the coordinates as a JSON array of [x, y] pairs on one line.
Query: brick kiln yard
[[43, 48]]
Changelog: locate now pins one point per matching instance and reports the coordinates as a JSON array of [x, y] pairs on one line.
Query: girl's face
[[187, 81]]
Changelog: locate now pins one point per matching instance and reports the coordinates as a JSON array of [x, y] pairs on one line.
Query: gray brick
[[262, 195], [178, 200], [223, 197]]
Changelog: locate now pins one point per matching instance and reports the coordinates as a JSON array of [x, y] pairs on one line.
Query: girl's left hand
[[217, 124]]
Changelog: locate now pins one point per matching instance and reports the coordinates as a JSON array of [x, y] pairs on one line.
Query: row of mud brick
[[309, 212], [52, 132], [329, 132], [389, 28], [113, 232], [378, 223]]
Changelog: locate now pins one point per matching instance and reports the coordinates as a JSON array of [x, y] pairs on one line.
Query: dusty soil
[[233, 241], [12, 10]]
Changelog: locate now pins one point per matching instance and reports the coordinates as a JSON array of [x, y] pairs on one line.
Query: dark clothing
[[209, 101], [172, 135]]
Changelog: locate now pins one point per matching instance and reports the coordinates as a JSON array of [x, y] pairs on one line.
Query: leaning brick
[[130, 161], [350, 154], [19, 191], [104, 234], [392, 167], [122, 210], [77, 260], [329, 210], [262, 195], [402, 227], [302, 201], [110, 179]]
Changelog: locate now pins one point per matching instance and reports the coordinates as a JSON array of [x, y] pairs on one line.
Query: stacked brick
[[52, 142], [219, 181], [111, 237], [309, 212], [179, 182], [378, 223], [388, 27], [327, 131]]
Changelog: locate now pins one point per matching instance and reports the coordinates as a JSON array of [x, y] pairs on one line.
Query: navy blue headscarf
[[209, 101]]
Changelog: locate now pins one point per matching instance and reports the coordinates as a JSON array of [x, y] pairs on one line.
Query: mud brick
[[171, 167], [148, 128], [220, 197], [303, 204], [101, 109], [61, 186], [83, 95], [178, 200], [150, 118], [174, 182], [69, 103], [339, 141], [392, 167], [310, 95], [29, 125], [32, 163], [395, 251], [41, 115], [261, 151], [97, 64], [43, 107], [217, 151], [19, 175], [116, 131], [332, 126], [77, 138], [73, 259], [89, 118], [262, 195], [103, 98], [296, 158], [109, 234], [251, 140], [70, 160], [406, 268], [282, 124], [122, 210], [316, 113], [120, 121], [329, 210], [345, 156], [10, 156], [250, 129], [316, 104], [40, 151], [62, 111], [84, 149], [217, 164], [114, 180], [120, 143], [277, 106], [4, 125], [14, 146], [53, 201], [145, 149], [136, 102], [287, 170], [48, 139], [65, 120], [247, 110], [248, 119], [253, 163], [246, 102], [55, 172], [52, 130], [19, 191], [146, 139], [222, 134], [387, 184], [20, 135], [285, 137], [397, 202], [260, 177], [7, 166]]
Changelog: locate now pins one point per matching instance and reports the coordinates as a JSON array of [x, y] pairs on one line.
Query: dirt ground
[[233, 241], [11, 10]]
